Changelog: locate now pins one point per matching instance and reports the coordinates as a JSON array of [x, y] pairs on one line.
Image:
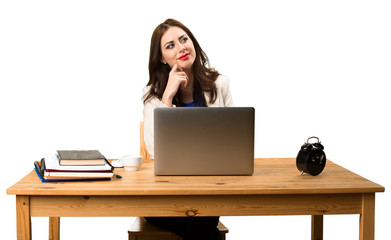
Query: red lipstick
[[184, 56]]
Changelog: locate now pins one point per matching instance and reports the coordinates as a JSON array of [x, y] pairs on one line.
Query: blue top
[[192, 104]]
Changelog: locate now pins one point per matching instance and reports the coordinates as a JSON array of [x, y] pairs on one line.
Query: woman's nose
[[181, 47]]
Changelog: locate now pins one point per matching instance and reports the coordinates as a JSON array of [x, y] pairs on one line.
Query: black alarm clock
[[311, 158]]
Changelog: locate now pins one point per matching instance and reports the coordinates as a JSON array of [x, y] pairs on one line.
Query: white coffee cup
[[131, 162]]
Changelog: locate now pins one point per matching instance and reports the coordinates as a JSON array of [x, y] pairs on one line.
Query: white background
[[71, 76]]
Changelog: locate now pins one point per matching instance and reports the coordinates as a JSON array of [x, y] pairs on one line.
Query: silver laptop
[[204, 141]]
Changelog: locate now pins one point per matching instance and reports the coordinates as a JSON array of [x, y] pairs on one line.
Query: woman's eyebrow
[[184, 35], [168, 43]]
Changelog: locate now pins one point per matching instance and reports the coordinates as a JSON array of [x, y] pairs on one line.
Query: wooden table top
[[271, 176]]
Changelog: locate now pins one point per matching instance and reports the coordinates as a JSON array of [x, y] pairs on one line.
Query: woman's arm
[[149, 106], [226, 92]]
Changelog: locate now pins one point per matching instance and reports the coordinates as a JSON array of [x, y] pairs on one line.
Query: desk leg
[[367, 217], [317, 227], [23, 218], [54, 228]]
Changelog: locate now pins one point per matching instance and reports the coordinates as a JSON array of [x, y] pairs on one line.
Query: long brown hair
[[204, 76]]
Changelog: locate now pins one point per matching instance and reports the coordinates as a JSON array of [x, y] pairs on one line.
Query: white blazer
[[223, 99]]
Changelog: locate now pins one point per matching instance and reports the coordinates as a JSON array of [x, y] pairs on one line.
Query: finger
[[183, 77], [181, 74], [174, 68], [185, 81], [177, 68]]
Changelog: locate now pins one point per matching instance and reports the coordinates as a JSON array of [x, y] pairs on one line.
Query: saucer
[[117, 164]]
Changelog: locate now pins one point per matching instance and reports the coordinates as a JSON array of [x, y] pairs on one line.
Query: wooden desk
[[276, 188]]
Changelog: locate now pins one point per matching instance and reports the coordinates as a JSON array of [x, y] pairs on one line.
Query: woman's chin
[[185, 67]]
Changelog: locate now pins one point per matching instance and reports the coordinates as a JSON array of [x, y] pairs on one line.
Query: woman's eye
[[170, 46], [184, 39]]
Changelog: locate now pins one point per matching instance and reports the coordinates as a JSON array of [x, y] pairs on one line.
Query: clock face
[[316, 162], [312, 161]]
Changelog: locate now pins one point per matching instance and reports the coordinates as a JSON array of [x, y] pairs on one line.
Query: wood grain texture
[[54, 228], [23, 223], [276, 188], [367, 217], [317, 227], [271, 176], [208, 205]]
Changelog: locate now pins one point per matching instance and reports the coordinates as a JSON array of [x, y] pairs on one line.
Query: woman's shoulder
[[145, 91], [222, 81]]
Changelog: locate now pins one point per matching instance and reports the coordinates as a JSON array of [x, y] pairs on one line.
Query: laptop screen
[[204, 141]]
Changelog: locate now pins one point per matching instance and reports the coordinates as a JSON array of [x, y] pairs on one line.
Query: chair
[[143, 230]]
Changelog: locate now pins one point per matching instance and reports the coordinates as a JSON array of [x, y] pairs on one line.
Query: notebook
[[204, 141]]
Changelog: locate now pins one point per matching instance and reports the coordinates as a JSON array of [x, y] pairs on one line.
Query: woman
[[179, 75]]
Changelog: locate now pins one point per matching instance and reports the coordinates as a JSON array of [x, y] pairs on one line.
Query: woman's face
[[177, 48]]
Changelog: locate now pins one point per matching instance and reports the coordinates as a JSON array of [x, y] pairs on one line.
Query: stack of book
[[74, 165]]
